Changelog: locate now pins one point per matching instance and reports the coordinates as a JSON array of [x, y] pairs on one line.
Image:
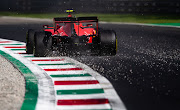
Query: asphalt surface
[[145, 71]]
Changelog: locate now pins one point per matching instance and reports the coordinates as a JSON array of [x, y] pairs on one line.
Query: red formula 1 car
[[72, 35]]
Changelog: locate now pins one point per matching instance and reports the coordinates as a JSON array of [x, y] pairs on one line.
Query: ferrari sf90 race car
[[72, 35]]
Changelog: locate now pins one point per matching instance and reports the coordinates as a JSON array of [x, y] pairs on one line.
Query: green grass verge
[[133, 18]]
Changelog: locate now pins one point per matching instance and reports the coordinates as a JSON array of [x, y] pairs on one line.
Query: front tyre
[[108, 42], [42, 44], [30, 41]]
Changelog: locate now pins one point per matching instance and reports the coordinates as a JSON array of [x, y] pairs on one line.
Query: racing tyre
[[30, 41], [42, 44], [108, 42]]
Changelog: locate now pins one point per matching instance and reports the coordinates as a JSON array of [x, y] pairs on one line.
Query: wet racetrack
[[145, 71]]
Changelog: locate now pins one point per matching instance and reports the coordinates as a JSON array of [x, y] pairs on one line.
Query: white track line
[[73, 78], [86, 96], [73, 87], [59, 67], [65, 72]]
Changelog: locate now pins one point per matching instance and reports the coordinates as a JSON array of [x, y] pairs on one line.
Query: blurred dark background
[[93, 6]]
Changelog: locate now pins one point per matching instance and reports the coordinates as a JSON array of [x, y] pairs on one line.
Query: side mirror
[[45, 26]]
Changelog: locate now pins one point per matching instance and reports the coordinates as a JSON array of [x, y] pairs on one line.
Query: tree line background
[[93, 6]]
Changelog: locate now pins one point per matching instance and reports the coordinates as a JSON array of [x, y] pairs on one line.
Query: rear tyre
[[30, 41], [108, 42], [42, 44]]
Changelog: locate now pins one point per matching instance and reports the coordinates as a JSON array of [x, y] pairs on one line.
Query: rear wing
[[64, 19], [75, 20]]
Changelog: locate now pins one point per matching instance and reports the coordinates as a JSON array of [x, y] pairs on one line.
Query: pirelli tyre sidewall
[[108, 42], [42, 44], [30, 41]]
